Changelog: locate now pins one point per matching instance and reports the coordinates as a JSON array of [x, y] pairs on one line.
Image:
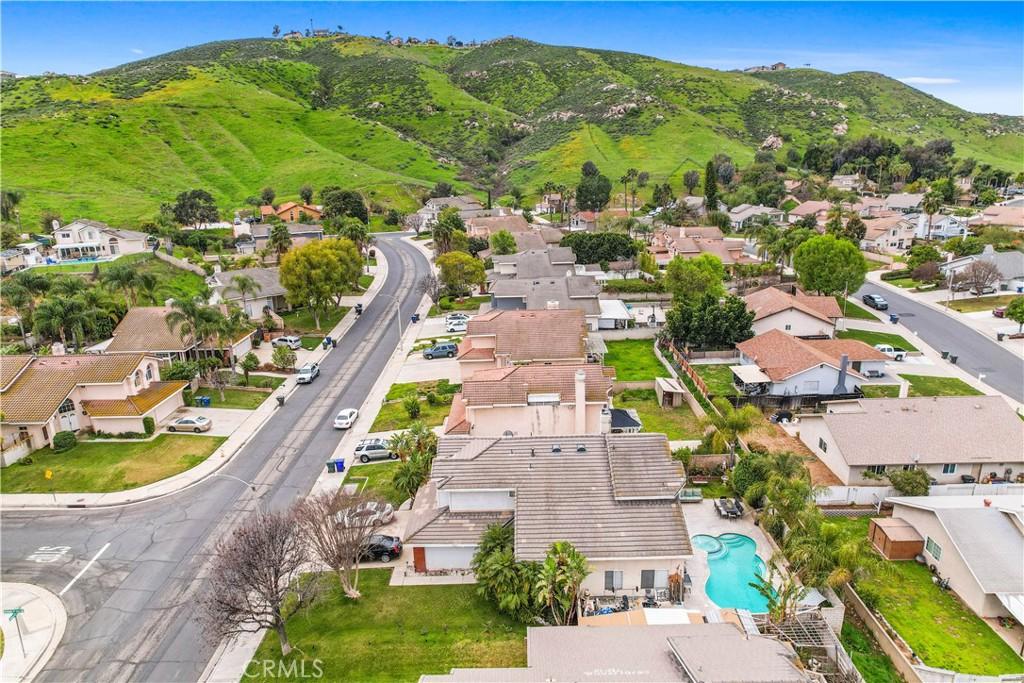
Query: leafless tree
[[255, 575], [335, 535], [431, 286], [978, 275]]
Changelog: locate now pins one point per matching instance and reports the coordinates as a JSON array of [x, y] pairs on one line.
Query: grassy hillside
[[234, 116]]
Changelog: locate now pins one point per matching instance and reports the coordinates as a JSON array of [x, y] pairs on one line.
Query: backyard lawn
[[854, 311], [940, 629], [973, 304], [448, 304], [397, 633], [718, 378], [871, 338], [634, 360], [301, 320], [375, 479], [101, 467], [872, 663], [880, 390], [926, 385], [234, 398], [676, 423]]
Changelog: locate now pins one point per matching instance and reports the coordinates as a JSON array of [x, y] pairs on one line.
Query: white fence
[[873, 495]]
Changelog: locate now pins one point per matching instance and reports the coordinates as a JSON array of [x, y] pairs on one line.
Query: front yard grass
[[259, 381], [871, 338], [301, 320], [398, 633], [400, 390], [234, 398], [392, 414], [105, 466], [940, 629], [880, 390], [377, 480], [718, 379], [310, 342], [634, 360], [973, 304], [854, 311], [677, 424], [448, 305], [926, 385]]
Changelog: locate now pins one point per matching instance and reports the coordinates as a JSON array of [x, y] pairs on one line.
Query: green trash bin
[[331, 467]]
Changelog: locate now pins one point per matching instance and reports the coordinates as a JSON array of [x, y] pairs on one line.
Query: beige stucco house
[[110, 393], [500, 338], [800, 315], [92, 239]]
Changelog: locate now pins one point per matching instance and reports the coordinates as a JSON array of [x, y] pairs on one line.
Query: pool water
[[733, 564]]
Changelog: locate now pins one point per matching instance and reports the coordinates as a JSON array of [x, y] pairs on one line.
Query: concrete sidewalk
[[220, 457], [30, 641]]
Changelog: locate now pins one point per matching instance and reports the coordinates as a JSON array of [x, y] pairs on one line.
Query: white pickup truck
[[893, 352]]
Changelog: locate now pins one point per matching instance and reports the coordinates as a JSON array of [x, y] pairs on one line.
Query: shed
[[671, 393], [895, 538]]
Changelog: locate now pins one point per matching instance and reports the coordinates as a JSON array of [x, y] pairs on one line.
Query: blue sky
[[971, 54]]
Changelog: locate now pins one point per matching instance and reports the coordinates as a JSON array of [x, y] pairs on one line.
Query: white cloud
[[926, 80], [136, 51]]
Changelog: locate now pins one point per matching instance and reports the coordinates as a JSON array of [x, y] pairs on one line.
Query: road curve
[[131, 614]]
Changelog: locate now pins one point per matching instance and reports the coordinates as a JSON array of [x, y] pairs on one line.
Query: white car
[[371, 513], [455, 326], [345, 418], [893, 352], [307, 373], [191, 423], [456, 316], [291, 342]]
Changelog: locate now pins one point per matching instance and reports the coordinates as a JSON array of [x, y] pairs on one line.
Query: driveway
[[1003, 369], [225, 420], [418, 369]]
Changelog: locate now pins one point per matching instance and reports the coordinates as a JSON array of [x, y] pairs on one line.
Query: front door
[[67, 416], [419, 559]]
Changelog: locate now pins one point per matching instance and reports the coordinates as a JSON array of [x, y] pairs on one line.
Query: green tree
[[246, 286], [710, 323], [283, 357], [350, 265], [355, 230], [249, 363], [310, 276], [913, 482], [595, 247], [730, 423], [125, 277], [1015, 312], [306, 193], [280, 239], [448, 223], [822, 555], [968, 245], [459, 271], [689, 280], [411, 405], [931, 204], [192, 319], [594, 190], [267, 195], [558, 582], [9, 201], [502, 242], [194, 208], [340, 203], [408, 478], [710, 187], [691, 179], [827, 265]]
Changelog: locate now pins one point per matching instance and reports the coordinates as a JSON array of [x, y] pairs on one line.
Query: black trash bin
[[945, 355], [953, 359], [280, 401], [334, 343], [1000, 336]]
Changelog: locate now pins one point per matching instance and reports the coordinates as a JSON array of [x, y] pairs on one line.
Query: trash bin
[[339, 465], [894, 318], [952, 359], [415, 317], [334, 343], [325, 343], [945, 355], [280, 401], [331, 467], [1000, 336]]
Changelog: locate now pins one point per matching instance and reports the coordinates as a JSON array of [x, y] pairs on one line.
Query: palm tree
[[19, 298], [766, 235], [784, 600], [624, 179], [188, 318], [280, 240], [147, 286], [68, 286], [245, 285], [124, 277], [408, 478], [60, 317], [730, 423], [823, 555], [558, 581], [247, 261], [632, 174], [932, 204], [402, 445]]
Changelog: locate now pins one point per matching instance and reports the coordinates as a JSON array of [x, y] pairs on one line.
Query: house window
[[137, 378], [822, 445], [789, 327], [612, 581], [909, 468], [654, 578], [949, 469], [933, 548], [811, 386], [68, 406], [876, 469], [149, 372]]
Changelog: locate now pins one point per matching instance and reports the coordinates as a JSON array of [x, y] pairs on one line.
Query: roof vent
[[556, 448], [581, 448], [533, 453]]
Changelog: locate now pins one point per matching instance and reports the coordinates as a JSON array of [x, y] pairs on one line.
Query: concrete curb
[[218, 459], [55, 622]]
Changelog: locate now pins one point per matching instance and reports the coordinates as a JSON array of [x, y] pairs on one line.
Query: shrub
[[685, 456], [910, 482], [896, 274], [432, 398], [412, 407], [27, 460], [148, 425], [757, 447], [634, 286], [64, 441], [187, 398], [284, 358]]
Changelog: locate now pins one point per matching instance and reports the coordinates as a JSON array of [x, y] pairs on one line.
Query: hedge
[[634, 286], [148, 424], [896, 274], [64, 441]]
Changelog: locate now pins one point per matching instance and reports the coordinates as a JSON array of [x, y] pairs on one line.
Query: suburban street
[[131, 613], [1003, 369]]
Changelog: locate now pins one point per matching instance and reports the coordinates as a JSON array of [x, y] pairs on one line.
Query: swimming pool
[[732, 563]]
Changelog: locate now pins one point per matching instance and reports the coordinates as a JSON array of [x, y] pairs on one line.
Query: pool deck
[[701, 518]]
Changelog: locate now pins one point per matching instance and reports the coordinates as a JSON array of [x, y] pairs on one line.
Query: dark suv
[[381, 548], [876, 302], [438, 350]]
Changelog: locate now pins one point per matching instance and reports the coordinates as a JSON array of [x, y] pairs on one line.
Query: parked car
[[307, 373], [452, 317], [370, 513], [345, 418], [999, 311], [448, 349], [894, 352], [191, 423], [292, 342], [781, 416], [455, 326], [876, 302], [382, 548], [987, 289], [374, 449]]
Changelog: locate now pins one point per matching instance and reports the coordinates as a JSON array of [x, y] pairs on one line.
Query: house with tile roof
[[485, 226], [571, 292], [43, 395], [743, 215], [947, 436], [583, 220], [144, 329], [259, 236], [533, 400], [615, 497], [904, 202], [887, 234], [1005, 215], [800, 315], [84, 238], [534, 263], [293, 212], [271, 296], [777, 364]]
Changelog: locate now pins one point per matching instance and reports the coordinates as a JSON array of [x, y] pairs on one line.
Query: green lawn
[[875, 265], [101, 467], [676, 423], [448, 305], [441, 387], [940, 629], [715, 489], [904, 282], [634, 360], [172, 282], [926, 385], [880, 390], [375, 479], [392, 415], [855, 311], [871, 338], [260, 381], [311, 342], [873, 664], [972, 304], [718, 378], [365, 281], [234, 398], [398, 633], [301, 320]]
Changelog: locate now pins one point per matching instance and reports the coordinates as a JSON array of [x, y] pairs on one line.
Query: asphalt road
[[131, 614], [1003, 369]]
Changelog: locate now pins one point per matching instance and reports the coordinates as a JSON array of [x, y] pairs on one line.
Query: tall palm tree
[[931, 204], [60, 317], [558, 581], [632, 174], [823, 555], [20, 299], [766, 235], [124, 277], [187, 317], [280, 240], [624, 179], [147, 286], [68, 286], [729, 423], [246, 286]]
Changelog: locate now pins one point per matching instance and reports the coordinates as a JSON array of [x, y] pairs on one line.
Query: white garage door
[[449, 558]]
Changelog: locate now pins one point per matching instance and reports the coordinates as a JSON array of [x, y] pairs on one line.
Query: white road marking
[[84, 569], [49, 553]]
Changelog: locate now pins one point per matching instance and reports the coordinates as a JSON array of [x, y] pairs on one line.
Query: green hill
[[390, 121]]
